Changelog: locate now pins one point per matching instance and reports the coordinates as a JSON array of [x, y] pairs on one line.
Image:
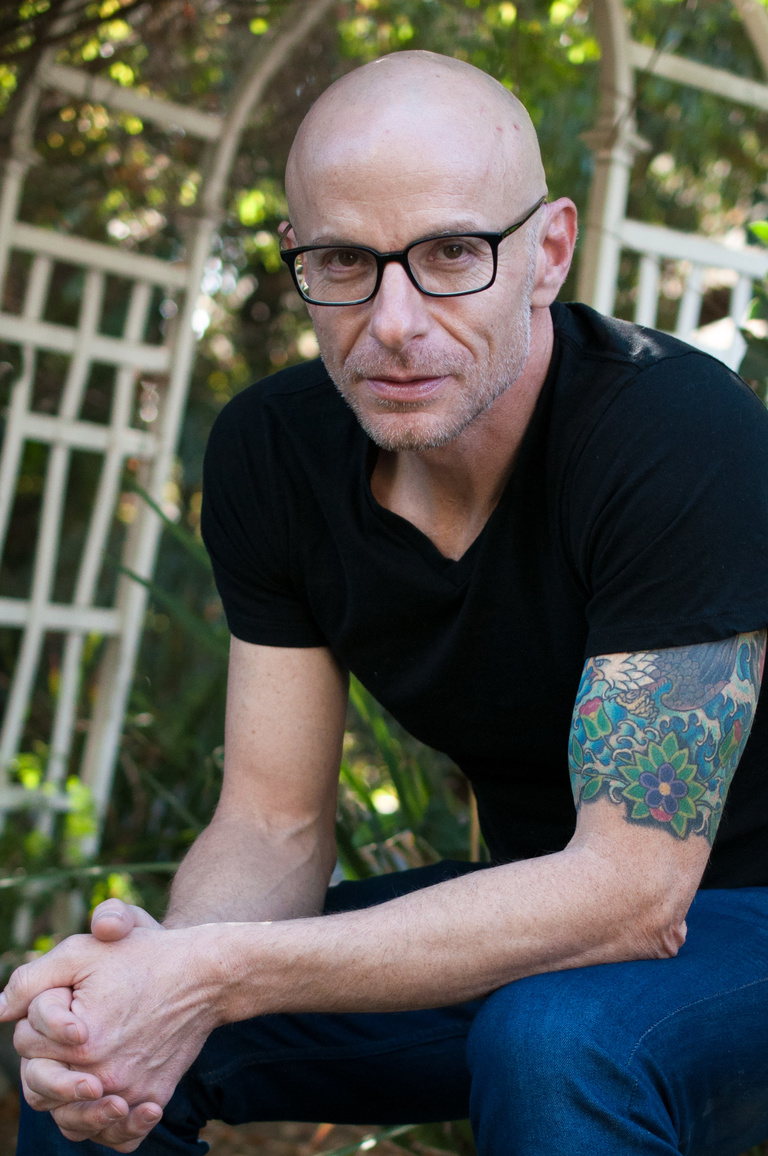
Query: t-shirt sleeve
[[667, 510], [246, 530]]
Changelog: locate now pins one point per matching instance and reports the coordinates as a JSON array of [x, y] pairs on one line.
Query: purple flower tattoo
[[663, 790]]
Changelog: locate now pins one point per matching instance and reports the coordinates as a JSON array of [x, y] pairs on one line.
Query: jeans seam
[[676, 1012]]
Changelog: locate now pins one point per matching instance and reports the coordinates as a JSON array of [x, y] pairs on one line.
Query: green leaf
[[185, 538], [760, 230], [352, 861], [207, 635], [411, 789], [369, 1142], [170, 798], [679, 823], [43, 880], [640, 811], [695, 791], [687, 807], [670, 747], [593, 787], [635, 791]]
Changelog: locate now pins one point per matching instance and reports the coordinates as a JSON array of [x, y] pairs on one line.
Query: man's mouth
[[404, 389]]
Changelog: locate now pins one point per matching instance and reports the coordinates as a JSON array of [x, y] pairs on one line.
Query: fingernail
[[72, 1032], [152, 1115], [112, 1112], [3, 1003], [84, 1091]]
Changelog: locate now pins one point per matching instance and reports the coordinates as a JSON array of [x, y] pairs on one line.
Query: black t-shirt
[[636, 518]]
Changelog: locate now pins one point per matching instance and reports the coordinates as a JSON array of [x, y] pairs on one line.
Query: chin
[[403, 432], [398, 438]]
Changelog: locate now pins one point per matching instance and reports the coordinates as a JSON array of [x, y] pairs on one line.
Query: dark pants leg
[[654, 1057]]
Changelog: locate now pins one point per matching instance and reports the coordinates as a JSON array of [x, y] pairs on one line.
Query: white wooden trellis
[[67, 431], [608, 232], [615, 143]]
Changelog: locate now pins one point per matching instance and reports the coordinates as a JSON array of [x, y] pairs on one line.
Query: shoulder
[[615, 378], [297, 411], [274, 394]]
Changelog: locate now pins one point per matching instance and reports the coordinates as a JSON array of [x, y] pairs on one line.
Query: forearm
[[455, 941], [238, 870]]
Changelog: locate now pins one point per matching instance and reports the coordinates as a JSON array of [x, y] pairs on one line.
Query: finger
[[126, 1135], [58, 968], [48, 1084], [114, 919], [78, 1121], [51, 1014], [94, 1121], [33, 1045]]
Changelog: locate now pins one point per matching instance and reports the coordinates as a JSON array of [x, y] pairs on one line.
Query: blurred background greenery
[[108, 176]]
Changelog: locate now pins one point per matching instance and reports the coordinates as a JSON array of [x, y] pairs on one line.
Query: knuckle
[[110, 907], [34, 1099], [70, 1134], [18, 983]]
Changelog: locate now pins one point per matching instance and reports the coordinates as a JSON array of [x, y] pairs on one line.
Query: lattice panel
[[85, 348]]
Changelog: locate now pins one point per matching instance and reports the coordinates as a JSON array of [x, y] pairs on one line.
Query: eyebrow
[[458, 226]]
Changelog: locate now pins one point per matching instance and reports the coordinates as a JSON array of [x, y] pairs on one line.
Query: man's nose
[[399, 310]]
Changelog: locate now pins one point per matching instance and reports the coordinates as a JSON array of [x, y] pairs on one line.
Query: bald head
[[419, 116]]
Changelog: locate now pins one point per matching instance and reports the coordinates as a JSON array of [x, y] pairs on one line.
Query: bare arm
[[655, 741], [620, 890], [270, 848]]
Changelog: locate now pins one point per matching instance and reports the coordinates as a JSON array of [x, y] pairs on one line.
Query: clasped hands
[[108, 1023]]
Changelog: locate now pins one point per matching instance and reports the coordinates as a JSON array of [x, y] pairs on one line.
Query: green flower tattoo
[[662, 732]]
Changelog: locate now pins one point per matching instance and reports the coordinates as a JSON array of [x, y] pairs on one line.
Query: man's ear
[[555, 251], [286, 235]]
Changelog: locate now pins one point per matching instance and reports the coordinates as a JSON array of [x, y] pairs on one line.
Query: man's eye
[[453, 251], [343, 258]]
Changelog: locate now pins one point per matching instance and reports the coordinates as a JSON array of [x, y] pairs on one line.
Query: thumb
[[56, 969], [114, 919]]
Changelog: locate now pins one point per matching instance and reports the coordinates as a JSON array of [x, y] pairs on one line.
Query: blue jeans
[[653, 1057]]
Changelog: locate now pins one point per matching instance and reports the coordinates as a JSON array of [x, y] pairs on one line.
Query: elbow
[[659, 931], [668, 938]]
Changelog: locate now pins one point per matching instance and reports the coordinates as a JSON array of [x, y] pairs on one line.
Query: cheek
[[336, 333]]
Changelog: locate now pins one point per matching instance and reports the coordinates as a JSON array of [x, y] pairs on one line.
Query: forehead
[[390, 183]]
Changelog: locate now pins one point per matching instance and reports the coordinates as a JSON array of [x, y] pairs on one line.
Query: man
[[520, 507]]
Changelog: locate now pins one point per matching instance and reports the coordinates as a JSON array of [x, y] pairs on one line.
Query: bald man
[[540, 538]]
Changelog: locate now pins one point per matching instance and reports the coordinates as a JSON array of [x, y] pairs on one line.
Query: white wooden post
[[615, 144]]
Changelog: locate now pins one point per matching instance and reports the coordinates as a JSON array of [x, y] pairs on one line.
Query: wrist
[[238, 969], [260, 968]]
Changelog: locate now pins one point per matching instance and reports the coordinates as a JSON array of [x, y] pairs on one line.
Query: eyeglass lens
[[442, 265]]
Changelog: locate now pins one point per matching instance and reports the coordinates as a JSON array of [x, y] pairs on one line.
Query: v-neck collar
[[458, 570]]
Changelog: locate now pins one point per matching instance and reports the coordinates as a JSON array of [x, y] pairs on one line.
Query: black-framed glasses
[[452, 265]]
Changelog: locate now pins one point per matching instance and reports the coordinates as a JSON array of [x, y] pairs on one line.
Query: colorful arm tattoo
[[662, 731]]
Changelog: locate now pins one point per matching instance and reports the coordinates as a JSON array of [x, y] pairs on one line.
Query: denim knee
[[549, 1060], [539, 1029]]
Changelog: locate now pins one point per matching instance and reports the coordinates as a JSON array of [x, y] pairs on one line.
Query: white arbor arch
[[84, 344], [608, 232]]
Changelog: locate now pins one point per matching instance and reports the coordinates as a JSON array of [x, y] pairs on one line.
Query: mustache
[[394, 365]]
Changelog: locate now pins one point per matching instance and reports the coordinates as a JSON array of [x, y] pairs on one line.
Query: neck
[[449, 493]]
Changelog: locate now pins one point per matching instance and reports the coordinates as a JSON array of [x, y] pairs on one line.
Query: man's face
[[418, 370]]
